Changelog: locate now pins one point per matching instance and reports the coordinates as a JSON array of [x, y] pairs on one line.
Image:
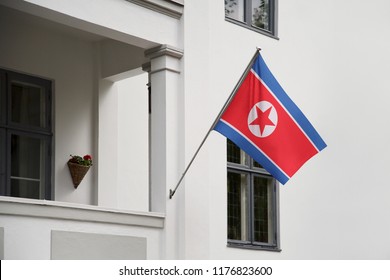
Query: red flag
[[264, 122]]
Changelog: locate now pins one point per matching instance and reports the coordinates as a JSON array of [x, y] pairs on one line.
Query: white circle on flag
[[262, 119]]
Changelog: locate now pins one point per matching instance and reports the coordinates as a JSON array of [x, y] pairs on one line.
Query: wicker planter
[[77, 171]]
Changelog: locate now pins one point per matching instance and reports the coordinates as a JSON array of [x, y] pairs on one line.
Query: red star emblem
[[262, 119]]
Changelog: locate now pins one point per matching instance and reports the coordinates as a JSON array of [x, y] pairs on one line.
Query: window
[[252, 203], [25, 136], [258, 15]]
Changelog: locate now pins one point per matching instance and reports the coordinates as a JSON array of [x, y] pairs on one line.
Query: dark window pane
[[263, 213], [235, 9], [237, 206], [260, 14], [27, 104], [25, 188], [25, 156], [235, 154], [3, 107], [27, 166], [2, 161], [257, 165]]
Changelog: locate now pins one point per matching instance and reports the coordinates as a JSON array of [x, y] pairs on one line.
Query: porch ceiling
[[127, 23], [117, 58], [45, 24]]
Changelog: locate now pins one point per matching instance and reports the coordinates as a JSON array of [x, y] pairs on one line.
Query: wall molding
[[170, 59], [164, 50], [172, 8], [76, 212]]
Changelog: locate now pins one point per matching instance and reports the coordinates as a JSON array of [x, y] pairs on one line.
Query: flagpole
[[228, 101]]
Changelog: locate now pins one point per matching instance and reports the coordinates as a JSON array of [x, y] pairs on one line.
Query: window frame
[[3, 100], [252, 171], [9, 128], [247, 23], [3, 153], [3, 107]]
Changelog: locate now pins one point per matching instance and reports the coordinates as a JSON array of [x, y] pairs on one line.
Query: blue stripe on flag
[[262, 70], [250, 149]]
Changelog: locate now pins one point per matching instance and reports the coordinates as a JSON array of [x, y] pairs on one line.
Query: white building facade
[[137, 85]]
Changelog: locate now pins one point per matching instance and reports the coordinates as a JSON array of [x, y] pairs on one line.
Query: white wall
[[33, 47], [199, 113], [29, 238], [133, 144], [123, 139], [125, 21], [332, 59]]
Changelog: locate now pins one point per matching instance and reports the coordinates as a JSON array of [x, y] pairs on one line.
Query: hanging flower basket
[[78, 167]]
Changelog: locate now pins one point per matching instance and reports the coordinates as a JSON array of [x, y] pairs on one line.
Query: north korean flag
[[264, 122]]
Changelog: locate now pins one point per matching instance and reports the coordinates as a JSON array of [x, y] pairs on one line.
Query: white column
[[166, 144], [166, 121], [108, 145]]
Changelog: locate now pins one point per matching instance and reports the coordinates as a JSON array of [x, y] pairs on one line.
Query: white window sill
[[77, 212]]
